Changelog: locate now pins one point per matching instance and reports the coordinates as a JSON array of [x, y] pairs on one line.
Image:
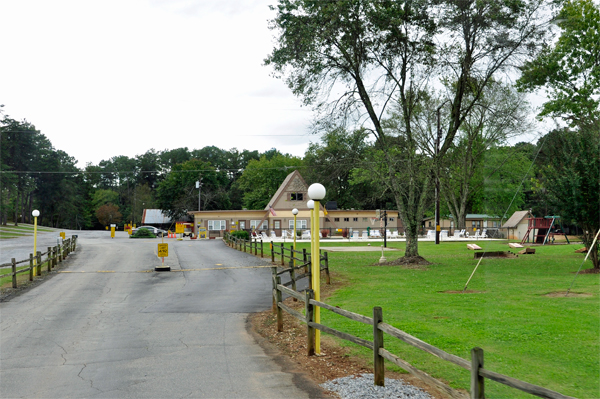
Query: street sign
[[163, 250], [62, 234], [179, 228]]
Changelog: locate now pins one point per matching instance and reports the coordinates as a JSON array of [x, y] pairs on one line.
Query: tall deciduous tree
[[177, 193], [351, 58], [569, 70], [570, 168], [262, 178], [108, 214]]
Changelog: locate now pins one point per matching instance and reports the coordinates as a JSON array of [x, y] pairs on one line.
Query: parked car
[[156, 231]]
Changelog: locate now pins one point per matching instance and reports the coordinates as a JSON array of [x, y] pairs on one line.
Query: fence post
[[39, 263], [309, 272], [310, 331], [378, 364], [261, 249], [305, 260], [49, 259], [477, 391], [255, 247], [327, 278], [55, 256], [30, 267], [60, 253], [279, 300], [293, 271], [282, 255], [272, 253], [14, 272], [274, 280]]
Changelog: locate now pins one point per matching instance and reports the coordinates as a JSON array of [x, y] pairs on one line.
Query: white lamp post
[[316, 192], [35, 215]]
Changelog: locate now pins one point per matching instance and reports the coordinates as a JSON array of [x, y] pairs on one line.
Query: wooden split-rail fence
[[296, 259], [475, 366], [54, 255]]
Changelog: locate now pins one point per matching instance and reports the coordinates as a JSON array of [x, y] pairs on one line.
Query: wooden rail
[[54, 255], [474, 366]]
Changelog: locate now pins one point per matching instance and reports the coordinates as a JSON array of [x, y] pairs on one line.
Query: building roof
[[515, 219], [283, 187], [469, 216], [155, 216]]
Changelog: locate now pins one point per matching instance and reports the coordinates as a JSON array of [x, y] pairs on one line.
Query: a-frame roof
[[285, 187], [515, 219]]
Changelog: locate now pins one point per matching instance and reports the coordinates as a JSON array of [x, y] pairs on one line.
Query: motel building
[[277, 218]]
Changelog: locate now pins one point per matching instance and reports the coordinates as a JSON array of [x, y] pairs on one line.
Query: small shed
[[517, 225]]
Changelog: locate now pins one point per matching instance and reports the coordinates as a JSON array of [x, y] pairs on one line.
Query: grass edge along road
[[551, 341]]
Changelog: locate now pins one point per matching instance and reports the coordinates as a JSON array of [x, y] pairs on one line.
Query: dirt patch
[[462, 292], [563, 294], [590, 271], [334, 362], [494, 254], [409, 262]]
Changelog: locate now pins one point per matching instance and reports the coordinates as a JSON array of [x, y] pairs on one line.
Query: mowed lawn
[[548, 341]]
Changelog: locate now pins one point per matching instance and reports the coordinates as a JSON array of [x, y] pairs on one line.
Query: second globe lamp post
[[316, 192]]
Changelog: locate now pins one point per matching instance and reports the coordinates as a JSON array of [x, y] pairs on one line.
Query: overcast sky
[[119, 77]]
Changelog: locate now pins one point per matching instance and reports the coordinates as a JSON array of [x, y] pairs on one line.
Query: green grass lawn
[[548, 341], [22, 230]]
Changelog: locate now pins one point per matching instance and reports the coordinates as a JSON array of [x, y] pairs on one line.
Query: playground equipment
[[544, 229]]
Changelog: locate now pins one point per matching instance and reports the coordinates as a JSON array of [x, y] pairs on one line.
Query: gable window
[[336, 219], [296, 196], [355, 219], [346, 219], [391, 219]]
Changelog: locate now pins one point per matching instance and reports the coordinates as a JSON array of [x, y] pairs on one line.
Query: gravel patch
[[361, 386]]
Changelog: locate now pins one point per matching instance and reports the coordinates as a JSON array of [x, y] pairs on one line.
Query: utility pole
[[437, 175], [199, 187]]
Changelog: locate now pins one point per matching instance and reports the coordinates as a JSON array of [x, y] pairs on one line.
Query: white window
[[300, 224], [263, 226], [217, 225], [276, 224], [242, 224]]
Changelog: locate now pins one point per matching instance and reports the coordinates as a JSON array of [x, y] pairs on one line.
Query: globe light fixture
[[310, 204], [316, 191]]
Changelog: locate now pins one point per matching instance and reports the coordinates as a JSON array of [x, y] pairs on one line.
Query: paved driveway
[[112, 327]]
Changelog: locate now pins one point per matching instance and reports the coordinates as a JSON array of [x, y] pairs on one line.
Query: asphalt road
[[111, 327]]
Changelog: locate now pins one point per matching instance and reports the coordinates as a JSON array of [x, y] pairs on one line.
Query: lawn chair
[[365, 235], [444, 235], [375, 234], [395, 234], [355, 235], [306, 234], [484, 234], [431, 234]]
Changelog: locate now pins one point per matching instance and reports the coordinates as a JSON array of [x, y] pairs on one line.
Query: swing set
[[544, 229]]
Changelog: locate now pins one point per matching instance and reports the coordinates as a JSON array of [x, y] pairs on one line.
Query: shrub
[[143, 233], [244, 235]]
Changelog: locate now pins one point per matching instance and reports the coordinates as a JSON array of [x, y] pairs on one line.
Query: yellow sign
[[179, 228], [112, 232], [202, 232], [163, 250], [62, 234], [438, 227]]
